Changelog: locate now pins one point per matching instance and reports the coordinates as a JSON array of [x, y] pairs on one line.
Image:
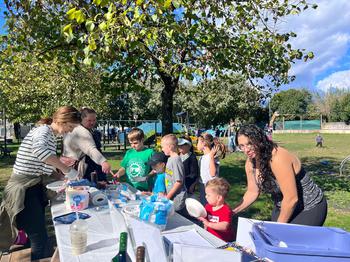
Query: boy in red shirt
[[219, 214]]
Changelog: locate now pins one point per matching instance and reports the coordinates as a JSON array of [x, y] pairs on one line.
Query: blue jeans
[[231, 143]]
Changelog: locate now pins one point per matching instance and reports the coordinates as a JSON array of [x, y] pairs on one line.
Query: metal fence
[[298, 125]]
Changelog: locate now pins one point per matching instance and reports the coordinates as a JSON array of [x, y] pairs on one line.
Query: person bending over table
[[272, 169], [80, 143], [88, 120], [24, 198]]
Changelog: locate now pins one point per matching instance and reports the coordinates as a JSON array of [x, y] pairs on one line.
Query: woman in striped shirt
[[24, 199]]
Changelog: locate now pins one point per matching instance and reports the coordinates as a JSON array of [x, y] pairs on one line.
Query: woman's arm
[[283, 170], [252, 192], [55, 162]]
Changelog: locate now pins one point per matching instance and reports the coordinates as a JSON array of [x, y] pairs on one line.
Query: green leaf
[[87, 61], [176, 3], [86, 51], [167, 4], [68, 32], [92, 44], [127, 21], [139, 2], [154, 18], [79, 16], [90, 25], [311, 55], [71, 13], [104, 2], [68, 28], [169, 34], [97, 2], [103, 26]]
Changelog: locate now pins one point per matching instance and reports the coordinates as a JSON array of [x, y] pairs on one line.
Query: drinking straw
[[76, 211]]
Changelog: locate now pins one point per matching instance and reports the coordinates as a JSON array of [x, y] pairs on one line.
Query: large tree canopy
[[31, 89], [292, 102], [168, 39], [210, 102]]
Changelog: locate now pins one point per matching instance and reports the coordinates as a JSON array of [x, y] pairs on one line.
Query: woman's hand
[[106, 167], [68, 161]]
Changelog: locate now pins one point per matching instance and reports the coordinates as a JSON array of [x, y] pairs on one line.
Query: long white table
[[102, 242]]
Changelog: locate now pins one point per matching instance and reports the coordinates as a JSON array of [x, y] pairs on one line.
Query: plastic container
[[287, 242], [78, 235], [77, 198], [156, 210]]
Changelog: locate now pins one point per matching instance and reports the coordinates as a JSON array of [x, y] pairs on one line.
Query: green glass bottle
[[122, 254]]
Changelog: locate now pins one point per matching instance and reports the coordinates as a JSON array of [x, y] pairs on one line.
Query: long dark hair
[[263, 149]]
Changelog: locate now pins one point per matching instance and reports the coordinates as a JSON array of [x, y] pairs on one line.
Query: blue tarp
[[151, 128]]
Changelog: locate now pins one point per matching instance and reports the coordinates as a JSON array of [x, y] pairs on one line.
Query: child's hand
[[214, 151], [204, 220], [116, 175], [152, 173]]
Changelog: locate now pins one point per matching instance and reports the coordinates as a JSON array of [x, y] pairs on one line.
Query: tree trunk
[[168, 91]]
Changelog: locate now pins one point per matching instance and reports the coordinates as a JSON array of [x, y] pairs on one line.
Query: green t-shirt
[[136, 165]]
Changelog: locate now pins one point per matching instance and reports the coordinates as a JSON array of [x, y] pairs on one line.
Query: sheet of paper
[[190, 237], [184, 253], [149, 236]]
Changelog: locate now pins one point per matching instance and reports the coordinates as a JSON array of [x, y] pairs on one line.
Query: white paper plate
[[55, 186], [195, 208]]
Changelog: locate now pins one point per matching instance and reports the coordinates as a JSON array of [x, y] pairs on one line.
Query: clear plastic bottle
[[78, 235]]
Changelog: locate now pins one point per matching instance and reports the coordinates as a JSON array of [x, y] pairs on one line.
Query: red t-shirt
[[220, 215]]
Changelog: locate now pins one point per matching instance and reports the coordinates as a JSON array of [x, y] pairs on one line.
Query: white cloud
[[326, 32], [340, 80]]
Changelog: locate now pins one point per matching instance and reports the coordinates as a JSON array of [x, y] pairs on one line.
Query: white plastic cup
[[78, 236]]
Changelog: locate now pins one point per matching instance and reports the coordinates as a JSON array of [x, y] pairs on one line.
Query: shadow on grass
[[325, 172]]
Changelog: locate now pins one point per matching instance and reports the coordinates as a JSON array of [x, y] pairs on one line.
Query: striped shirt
[[36, 147]]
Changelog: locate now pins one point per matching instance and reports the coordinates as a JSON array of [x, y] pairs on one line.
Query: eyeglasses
[[246, 147]]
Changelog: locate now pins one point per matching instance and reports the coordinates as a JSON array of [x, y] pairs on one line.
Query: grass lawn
[[323, 164]]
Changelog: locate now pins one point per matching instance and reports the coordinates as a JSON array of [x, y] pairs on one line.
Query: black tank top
[[309, 194]]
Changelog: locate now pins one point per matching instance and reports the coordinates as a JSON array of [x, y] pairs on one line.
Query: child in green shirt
[[135, 162]]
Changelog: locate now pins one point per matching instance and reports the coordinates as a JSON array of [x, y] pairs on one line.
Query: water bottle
[[78, 235]]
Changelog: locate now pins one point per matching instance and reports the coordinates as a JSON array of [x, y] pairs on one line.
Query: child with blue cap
[[158, 163]]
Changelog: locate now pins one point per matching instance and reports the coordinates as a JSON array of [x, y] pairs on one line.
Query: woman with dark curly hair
[[272, 169]]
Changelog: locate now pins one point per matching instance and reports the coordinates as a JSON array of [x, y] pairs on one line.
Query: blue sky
[[326, 32], [2, 8]]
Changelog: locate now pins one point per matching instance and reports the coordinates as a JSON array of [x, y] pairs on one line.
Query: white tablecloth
[[102, 243]]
